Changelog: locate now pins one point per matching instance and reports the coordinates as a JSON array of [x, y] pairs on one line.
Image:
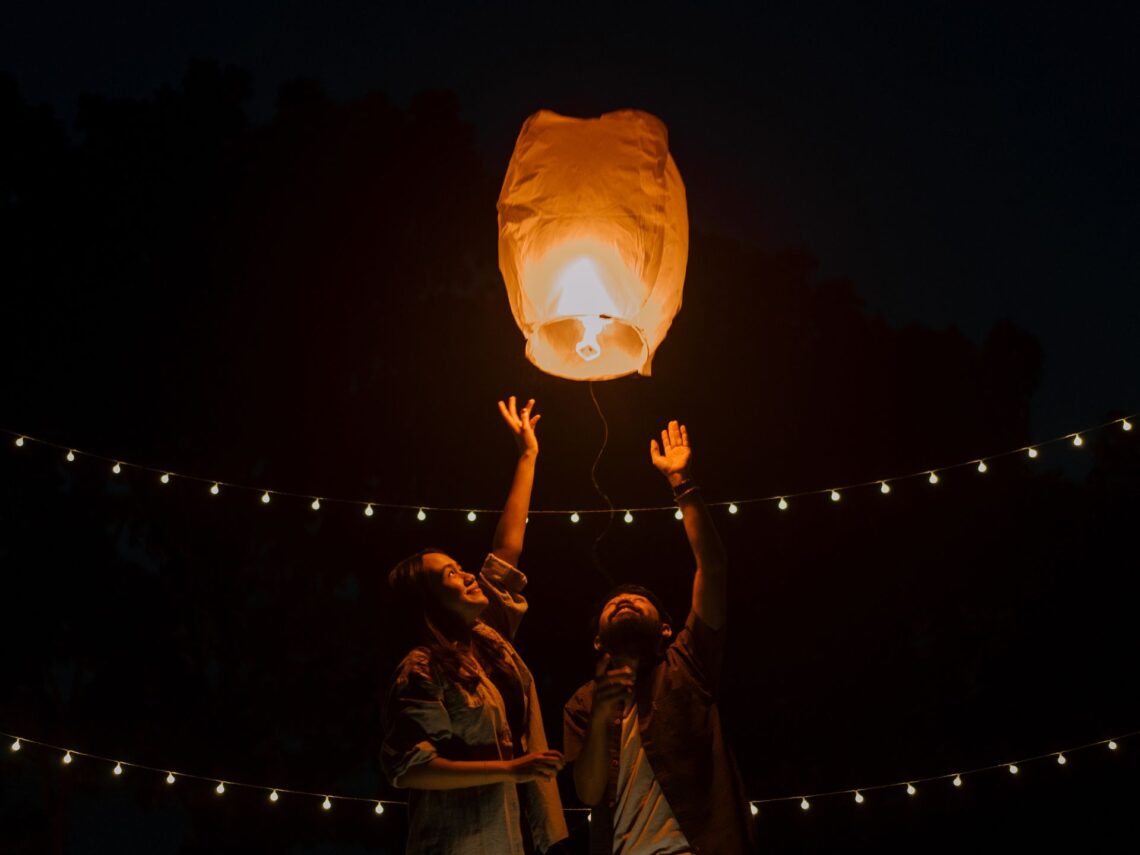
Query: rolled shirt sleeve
[[415, 718], [503, 584]]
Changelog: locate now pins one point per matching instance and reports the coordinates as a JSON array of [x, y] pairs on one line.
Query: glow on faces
[[624, 605], [454, 589]]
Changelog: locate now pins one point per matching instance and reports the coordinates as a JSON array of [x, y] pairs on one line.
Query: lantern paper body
[[593, 240]]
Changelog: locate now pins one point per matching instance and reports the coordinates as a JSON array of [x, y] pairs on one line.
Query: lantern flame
[[588, 348]]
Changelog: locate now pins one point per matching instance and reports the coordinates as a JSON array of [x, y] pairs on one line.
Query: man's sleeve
[[575, 720], [700, 650]]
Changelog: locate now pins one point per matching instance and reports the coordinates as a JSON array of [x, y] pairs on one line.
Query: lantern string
[[597, 486], [929, 473]]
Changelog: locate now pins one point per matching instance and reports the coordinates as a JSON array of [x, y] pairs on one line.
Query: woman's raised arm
[[510, 531]]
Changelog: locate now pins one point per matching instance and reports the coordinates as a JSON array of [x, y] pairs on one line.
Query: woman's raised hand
[[522, 424]]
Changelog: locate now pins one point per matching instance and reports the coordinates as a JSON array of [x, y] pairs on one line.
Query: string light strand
[[933, 475], [954, 777], [220, 785]]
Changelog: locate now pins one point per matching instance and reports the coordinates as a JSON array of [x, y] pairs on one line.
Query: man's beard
[[637, 637]]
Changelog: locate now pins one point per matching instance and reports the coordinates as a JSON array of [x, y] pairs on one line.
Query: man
[[645, 736]]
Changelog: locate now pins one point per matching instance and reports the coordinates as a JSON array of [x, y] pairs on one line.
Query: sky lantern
[[593, 240]]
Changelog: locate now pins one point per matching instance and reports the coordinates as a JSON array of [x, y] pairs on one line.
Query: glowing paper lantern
[[593, 241]]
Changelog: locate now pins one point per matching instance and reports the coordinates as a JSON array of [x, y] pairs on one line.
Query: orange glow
[[593, 242]]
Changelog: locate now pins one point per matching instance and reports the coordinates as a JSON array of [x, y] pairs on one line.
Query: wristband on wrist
[[684, 488]]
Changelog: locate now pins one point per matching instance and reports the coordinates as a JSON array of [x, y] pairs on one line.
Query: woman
[[462, 727]]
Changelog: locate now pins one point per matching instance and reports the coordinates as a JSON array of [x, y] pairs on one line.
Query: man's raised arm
[[710, 591]]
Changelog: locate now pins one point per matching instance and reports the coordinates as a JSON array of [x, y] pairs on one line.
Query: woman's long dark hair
[[456, 651]]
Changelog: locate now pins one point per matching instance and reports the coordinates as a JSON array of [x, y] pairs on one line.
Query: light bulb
[[116, 468], [884, 487], [326, 804], [165, 479], [16, 745], [933, 479], [118, 770], [835, 495], [1127, 425], [221, 788], [1062, 759], [1077, 441], [470, 516], [804, 805], [316, 504], [910, 790], [732, 509], [783, 504], [957, 780], [379, 809], [628, 517], [421, 516], [858, 798], [1013, 770], [678, 514], [170, 777], [71, 457], [273, 797], [368, 510], [67, 759], [215, 489], [753, 809], [574, 517], [982, 466], [265, 498], [1032, 452], [1111, 745], [589, 816], [20, 441]]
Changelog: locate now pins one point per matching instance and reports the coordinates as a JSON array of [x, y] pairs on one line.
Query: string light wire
[[978, 462], [910, 783], [914, 782], [214, 782]]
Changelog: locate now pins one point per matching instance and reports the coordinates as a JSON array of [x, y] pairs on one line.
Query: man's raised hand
[[673, 456]]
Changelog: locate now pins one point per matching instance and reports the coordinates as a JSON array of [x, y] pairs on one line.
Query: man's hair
[[596, 614]]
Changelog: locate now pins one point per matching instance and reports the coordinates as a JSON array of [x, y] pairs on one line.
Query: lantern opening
[[587, 346]]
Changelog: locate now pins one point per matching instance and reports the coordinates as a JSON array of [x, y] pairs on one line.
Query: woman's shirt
[[427, 716]]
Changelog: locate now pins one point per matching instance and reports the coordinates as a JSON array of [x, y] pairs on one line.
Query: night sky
[[257, 245]]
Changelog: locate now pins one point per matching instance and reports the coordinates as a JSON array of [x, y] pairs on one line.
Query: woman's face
[[453, 589]]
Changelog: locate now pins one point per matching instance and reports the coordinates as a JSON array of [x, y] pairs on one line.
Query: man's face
[[453, 589], [630, 625]]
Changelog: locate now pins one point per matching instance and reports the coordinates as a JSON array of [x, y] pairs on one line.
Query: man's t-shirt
[[644, 823]]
